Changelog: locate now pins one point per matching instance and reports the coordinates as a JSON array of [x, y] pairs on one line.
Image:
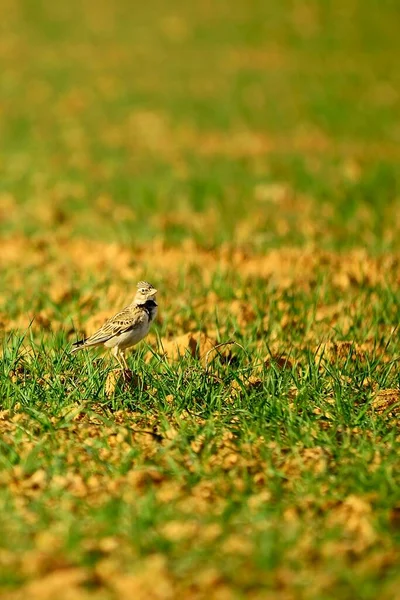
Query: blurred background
[[246, 122]]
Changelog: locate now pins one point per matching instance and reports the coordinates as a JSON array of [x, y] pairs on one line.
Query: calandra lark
[[127, 327]]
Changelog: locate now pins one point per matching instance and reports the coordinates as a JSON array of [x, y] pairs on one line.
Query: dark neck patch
[[150, 306]]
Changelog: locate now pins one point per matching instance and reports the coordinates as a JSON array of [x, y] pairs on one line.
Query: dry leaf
[[121, 380], [387, 400]]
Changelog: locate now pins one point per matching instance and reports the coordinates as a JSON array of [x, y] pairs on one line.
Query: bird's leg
[[120, 356], [123, 360], [116, 354]]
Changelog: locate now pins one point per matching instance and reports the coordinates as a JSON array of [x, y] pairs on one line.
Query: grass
[[244, 158], [255, 472]]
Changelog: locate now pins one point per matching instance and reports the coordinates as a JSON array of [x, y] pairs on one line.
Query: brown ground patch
[[387, 401]]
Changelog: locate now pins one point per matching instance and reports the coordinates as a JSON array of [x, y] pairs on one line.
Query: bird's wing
[[124, 321]]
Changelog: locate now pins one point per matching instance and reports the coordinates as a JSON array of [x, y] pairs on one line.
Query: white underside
[[129, 338]]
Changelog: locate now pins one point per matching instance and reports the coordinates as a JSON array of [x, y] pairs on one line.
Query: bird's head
[[145, 291]]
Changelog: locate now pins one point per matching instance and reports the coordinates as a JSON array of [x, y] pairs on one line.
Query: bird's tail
[[78, 345]]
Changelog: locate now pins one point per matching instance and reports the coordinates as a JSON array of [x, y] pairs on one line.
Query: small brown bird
[[127, 327]]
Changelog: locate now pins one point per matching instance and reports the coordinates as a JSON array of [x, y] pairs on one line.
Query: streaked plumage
[[127, 327]]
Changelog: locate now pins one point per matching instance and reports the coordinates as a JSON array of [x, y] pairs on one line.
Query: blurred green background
[[251, 122]]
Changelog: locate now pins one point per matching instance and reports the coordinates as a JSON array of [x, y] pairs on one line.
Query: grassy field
[[244, 157]]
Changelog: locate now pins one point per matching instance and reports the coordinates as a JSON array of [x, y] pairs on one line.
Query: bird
[[127, 327]]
